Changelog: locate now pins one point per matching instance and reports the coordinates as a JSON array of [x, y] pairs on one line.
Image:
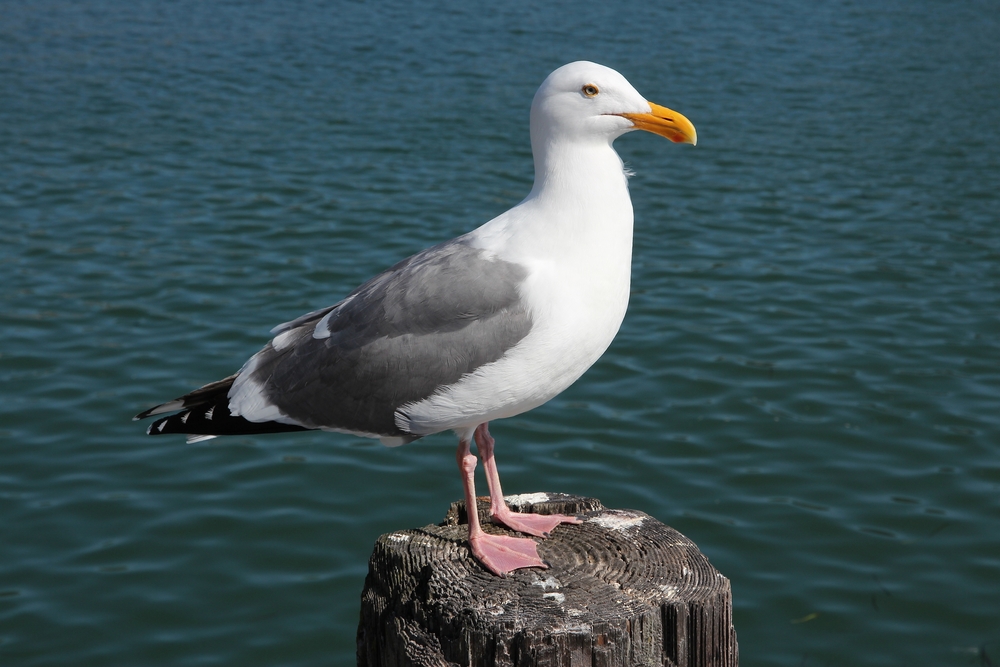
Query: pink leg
[[499, 554], [532, 524]]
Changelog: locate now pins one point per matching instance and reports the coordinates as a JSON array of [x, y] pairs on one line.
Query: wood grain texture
[[621, 589]]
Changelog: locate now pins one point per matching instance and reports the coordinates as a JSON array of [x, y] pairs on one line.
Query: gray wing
[[420, 325]]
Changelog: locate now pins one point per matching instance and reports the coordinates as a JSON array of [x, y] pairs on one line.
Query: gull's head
[[584, 101]]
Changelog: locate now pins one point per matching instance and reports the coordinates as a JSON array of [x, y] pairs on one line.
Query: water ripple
[[806, 382]]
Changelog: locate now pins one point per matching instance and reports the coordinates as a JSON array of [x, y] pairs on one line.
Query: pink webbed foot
[[532, 524], [501, 554]]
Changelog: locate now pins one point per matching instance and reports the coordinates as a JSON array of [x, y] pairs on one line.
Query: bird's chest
[[577, 305]]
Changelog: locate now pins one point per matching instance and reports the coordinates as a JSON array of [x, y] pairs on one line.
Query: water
[[806, 383]]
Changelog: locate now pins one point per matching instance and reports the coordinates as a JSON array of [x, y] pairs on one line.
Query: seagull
[[482, 327]]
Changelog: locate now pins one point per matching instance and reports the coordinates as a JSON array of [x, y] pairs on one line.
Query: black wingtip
[[205, 412], [214, 420]]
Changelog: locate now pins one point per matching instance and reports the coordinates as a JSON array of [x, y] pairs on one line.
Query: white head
[[586, 102]]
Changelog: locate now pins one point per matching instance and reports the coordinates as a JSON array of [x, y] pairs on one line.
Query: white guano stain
[[547, 583], [669, 590], [618, 520], [526, 498]]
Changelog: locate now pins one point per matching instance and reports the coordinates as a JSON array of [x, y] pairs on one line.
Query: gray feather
[[420, 325]]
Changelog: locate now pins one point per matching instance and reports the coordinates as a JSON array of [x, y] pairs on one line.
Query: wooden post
[[621, 589]]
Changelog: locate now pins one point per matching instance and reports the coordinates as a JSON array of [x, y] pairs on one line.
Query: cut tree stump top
[[621, 589]]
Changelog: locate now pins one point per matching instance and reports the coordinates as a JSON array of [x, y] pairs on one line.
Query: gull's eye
[[590, 90]]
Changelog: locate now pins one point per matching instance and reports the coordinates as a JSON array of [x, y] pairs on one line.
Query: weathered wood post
[[621, 589]]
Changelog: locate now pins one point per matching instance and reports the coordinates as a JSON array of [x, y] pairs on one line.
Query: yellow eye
[[590, 90]]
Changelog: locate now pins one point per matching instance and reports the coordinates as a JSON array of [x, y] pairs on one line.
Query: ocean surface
[[807, 383]]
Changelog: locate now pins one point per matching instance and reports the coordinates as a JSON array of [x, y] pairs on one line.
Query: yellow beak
[[666, 123]]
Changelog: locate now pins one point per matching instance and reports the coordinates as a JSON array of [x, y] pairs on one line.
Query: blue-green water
[[806, 384]]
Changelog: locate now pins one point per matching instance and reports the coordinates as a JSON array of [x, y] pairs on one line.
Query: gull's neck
[[579, 205], [569, 168]]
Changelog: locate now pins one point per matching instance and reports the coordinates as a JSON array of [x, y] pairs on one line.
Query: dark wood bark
[[621, 589]]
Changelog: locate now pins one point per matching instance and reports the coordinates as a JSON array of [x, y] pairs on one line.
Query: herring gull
[[484, 326]]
